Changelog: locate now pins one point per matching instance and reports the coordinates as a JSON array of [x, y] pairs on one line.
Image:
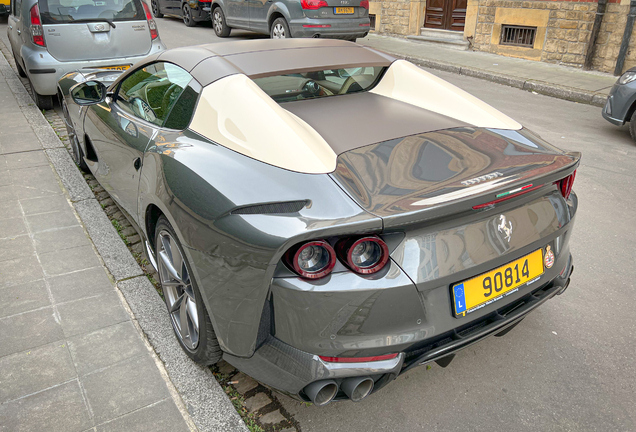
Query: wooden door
[[445, 14]]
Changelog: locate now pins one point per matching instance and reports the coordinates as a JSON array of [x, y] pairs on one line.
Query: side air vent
[[272, 208]]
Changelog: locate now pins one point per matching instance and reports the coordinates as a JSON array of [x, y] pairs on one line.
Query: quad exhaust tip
[[357, 388], [321, 392]]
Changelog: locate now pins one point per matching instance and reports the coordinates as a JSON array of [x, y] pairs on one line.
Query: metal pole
[[629, 26], [591, 45]]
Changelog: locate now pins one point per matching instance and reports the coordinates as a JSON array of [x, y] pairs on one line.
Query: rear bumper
[[340, 28], [290, 370], [44, 70]]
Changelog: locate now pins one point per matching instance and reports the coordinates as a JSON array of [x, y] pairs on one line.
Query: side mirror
[[88, 93]]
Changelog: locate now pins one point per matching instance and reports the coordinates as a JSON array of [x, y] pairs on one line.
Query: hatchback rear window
[[317, 84], [70, 11]]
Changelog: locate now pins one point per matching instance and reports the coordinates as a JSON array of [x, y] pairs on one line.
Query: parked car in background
[[4, 7], [281, 19], [52, 37], [621, 102], [192, 12], [322, 256]]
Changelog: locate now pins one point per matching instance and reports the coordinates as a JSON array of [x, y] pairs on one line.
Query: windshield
[[311, 85], [68, 11]]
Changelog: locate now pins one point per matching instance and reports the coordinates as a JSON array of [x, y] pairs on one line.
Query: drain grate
[[518, 35]]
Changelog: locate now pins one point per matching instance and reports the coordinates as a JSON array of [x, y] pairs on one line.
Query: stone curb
[[542, 87], [207, 404]]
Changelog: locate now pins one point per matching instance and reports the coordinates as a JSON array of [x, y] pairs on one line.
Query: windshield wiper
[[112, 24]]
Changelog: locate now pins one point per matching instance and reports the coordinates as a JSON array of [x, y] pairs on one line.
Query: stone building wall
[[401, 17], [609, 40]]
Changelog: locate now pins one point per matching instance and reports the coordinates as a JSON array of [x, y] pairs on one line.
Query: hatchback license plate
[[118, 68], [482, 290], [343, 11]]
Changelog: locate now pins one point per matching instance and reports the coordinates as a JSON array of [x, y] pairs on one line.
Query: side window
[[150, 92], [17, 8], [181, 113]]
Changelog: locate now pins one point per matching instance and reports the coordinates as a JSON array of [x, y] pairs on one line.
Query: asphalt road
[[568, 366]]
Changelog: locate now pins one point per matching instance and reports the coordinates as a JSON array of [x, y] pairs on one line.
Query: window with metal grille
[[372, 19], [517, 35]]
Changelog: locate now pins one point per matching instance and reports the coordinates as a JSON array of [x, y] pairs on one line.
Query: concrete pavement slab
[[20, 270], [60, 408], [70, 175], [35, 370], [124, 387], [60, 238], [80, 284], [51, 221], [23, 298], [28, 330], [106, 346], [26, 159], [44, 204], [154, 418], [68, 260], [85, 315], [15, 247]]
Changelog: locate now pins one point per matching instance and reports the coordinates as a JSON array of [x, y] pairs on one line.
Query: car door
[[258, 14], [121, 127], [237, 14], [13, 22]]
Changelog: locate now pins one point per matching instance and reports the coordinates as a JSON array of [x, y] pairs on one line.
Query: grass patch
[[119, 229]]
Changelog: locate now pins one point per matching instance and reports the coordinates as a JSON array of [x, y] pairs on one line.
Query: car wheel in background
[[154, 5], [42, 102], [188, 314], [221, 28], [280, 29], [187, 16], [18, 66], [76, 149], [632, 126]]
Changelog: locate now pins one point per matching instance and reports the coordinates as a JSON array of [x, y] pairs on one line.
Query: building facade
[[542, 30]]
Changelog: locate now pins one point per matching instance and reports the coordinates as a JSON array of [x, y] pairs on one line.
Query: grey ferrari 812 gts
[[323, 216]]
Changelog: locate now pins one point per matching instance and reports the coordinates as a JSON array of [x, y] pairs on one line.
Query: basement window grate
[[518, 36], [372, 19]]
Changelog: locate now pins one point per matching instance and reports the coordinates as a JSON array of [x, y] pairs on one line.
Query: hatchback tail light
[[37, 32], [313, 4], [152, 25], [364, 4], [366, 255], [565, 185], [312, 260]]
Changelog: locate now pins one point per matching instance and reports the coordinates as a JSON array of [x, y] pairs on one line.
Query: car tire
[[154, 6], [221, 29], [280, 29], [182, 296], [632, 126], [18, 66], [76, 149], [41, 101], [187, 16]]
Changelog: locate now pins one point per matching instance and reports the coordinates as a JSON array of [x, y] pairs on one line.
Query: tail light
[[37, 32], [358, 359], [366, 255], [565, 185], [152, 25], [364, 4], [313, 4], [312, 260]]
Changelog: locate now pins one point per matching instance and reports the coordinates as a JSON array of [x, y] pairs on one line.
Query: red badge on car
[[548, 259]]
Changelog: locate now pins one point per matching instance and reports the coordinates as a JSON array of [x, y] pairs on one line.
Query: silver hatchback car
[[50, 38]]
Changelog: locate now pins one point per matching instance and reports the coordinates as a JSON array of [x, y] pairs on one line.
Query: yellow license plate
[[487, 288], [344, 10], [118, 68]]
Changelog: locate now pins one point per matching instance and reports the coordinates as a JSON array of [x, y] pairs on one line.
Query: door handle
[[137, 163], [19, 32], [10, 27]]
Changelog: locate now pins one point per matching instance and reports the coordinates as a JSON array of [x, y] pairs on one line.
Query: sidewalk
[[549, 79]]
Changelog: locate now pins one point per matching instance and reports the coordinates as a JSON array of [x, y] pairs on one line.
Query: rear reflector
[[152, 25], [508, 195], [37, 33], [365, 25], [565, 185], [316, 25], [358, 359]]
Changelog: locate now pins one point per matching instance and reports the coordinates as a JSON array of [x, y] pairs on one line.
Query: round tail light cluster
[[316, 259]]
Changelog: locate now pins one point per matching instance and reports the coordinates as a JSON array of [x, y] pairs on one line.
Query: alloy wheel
[[178, 291], [186, 15], [218, 25], [278, 32], [155, 7]]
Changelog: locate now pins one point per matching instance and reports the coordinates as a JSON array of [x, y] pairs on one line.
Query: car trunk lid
[[83, 32]]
